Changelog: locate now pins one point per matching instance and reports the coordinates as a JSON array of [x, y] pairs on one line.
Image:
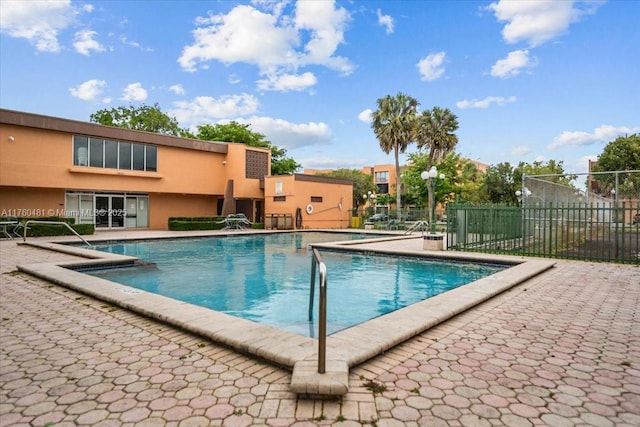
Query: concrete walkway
[[562, 349]]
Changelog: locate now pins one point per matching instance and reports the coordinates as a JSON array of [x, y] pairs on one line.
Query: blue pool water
[[265, 277]]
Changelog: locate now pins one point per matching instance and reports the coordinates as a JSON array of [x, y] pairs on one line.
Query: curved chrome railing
[[317, 263]]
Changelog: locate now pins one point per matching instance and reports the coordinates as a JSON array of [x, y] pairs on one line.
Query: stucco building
[[117, 178]]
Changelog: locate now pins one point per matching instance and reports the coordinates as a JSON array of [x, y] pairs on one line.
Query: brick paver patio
[[562, 349]]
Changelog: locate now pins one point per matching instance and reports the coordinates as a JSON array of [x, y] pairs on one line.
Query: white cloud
[[520, 150], [205, 109], [134, 92], [243, 35], [177, 89], [537, 22], [512, 64], [125, 41], [604, 134], [580, 165], [327, 24], [84, 42], [386, 21], [365, 115], [288, 82], [333, 163], [88, 90], [486, 102], [242, 108], [431, 67], [269, 40], [37, 21], [289, 135]]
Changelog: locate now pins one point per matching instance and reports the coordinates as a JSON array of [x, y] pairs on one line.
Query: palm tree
[[435, 130], [393, 123]]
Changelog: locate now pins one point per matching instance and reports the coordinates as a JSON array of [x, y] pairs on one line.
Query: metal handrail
[[416, 225], [316, 260], [33, 221]]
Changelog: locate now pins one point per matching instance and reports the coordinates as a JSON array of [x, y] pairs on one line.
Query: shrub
[[202, 223], [39, 230], [195, 223]]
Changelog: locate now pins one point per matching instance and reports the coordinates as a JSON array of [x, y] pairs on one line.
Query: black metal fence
[[595, 232]]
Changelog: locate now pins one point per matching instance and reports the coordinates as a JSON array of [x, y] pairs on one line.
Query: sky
[[528, 80]]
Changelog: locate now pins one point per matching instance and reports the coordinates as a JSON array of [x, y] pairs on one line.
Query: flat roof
[[37, 121]]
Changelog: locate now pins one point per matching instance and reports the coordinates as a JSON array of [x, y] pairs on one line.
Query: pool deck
[[560, 348]]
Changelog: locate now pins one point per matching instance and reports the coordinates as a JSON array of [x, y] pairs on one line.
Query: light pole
[[614, 204], [522, 196], [430, 177], [369, 196]]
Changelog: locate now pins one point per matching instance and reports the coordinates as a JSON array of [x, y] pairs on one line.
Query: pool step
[[306, 379]]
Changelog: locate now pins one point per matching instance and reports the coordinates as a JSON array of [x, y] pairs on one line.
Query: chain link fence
[[555, 220]]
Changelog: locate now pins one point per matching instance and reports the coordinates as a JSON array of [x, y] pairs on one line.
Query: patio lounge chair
[[235, 222], [8, 227]]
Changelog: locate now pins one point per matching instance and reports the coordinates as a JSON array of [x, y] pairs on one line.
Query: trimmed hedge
[[201, 223], [40, 230], [195, 223]]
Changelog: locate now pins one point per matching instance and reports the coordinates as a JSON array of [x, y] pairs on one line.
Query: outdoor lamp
[[430, 176], [520, 194]]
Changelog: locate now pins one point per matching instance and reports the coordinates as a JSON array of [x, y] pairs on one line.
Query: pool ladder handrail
[[318, 263], [33, 221], [422, 225]]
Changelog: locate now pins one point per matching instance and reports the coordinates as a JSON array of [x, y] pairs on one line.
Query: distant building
[[384, 176]]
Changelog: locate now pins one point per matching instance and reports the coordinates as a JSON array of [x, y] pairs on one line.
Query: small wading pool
[[266, 277]]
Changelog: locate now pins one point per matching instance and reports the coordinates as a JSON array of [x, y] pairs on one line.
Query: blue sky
[[528, 80]]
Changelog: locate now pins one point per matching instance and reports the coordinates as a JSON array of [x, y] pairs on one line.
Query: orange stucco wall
[[332, 212], [34, 154], [36, 168], [31, 202], [164, 206]]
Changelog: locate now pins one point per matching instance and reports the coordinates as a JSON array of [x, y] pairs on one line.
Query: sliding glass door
[[110, 212]]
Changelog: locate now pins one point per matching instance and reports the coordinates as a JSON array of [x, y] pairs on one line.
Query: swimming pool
[[265, 277]]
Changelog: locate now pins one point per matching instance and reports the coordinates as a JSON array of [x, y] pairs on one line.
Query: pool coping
[[344, 349]]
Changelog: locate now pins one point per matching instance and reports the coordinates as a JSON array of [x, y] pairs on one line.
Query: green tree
[[145, 118], [461, 181], [554, 170], [500, 184], [242, 133], [232, 132], [281, 164], [471, 183], [393, 124], [435, 131], [621, 154], [502, 181], [362, 184]]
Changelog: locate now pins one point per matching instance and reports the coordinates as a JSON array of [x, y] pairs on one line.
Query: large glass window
[[152, 158], [382, 177], [111, 154], [138, 157], [124, 161], [96, 154], [81, 151]]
